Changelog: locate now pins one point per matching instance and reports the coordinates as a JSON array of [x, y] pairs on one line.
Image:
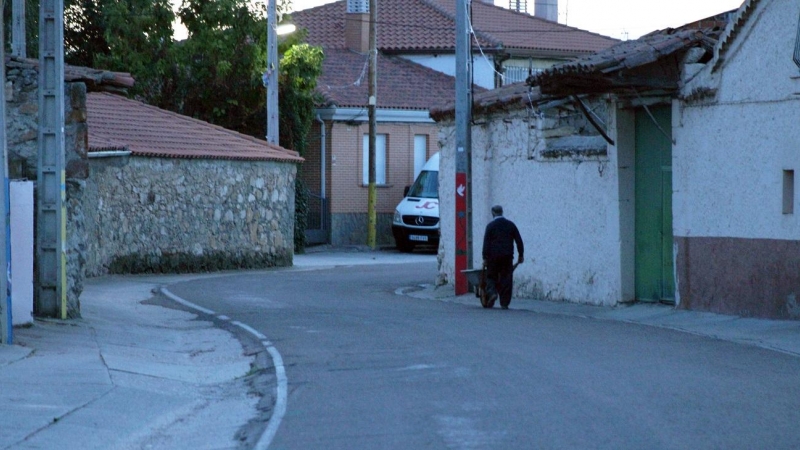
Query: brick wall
[[348, 194]]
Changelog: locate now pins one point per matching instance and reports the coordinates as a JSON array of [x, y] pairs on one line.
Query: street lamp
[[271, 75]]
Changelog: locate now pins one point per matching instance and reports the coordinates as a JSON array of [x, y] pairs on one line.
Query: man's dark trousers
[[500, 278]]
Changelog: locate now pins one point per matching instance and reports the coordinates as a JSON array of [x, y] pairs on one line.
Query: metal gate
[[319, 220]]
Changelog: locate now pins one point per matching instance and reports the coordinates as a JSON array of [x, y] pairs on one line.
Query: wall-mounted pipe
[[109, 154], [322, 155]]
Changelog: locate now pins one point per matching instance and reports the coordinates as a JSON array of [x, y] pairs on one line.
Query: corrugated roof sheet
[[429, 25], [116, 123], [741, 17], [403, 84]]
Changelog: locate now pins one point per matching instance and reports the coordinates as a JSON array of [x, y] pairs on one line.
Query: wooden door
[[654, 277]]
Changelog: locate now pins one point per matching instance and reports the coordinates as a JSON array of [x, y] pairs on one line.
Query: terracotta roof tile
[[429, 25], [510, 96], [116, 123], [401, 84], [590, 70]]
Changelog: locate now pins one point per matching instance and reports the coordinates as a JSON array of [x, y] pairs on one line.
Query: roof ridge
[[549, 22]]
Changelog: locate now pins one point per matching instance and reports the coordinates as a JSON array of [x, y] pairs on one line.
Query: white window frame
[[380, 159]]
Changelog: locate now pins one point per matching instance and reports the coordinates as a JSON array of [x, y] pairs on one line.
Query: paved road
[[368, 368]]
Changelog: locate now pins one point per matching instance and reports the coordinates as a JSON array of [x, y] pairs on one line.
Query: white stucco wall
[[567, 209], [731, 151]]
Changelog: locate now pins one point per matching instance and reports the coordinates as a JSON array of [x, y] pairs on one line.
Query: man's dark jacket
[[498, 241]]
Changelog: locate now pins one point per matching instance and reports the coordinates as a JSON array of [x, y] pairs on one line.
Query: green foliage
[[222, 61], [300, 215], [139, 38], [85, 24], [300, 67]]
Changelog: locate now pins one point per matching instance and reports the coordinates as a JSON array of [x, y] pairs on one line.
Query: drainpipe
[[109, 154], [322, 155]]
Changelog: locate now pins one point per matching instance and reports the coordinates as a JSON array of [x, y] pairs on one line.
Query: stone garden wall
[[186, 215]]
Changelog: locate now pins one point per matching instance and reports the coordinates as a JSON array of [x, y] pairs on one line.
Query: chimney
[[547, 10], [356, 26]]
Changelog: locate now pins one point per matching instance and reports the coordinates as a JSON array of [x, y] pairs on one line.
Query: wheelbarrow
[[477, 279]]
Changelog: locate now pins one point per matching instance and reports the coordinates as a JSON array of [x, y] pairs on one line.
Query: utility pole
[[272, 73], [18, 47], [372, 199], [51, 231], [463, 193], [6, 325]]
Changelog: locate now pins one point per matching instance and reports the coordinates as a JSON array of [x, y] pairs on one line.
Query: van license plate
[[418, 238]]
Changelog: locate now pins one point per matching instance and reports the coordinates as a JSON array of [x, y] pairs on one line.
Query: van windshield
[[426, 186]]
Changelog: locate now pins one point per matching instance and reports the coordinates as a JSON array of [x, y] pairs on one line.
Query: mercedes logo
[[420, 220]]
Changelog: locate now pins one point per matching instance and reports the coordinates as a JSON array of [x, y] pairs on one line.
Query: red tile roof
[[429, 25], [401, 84], [117, 123]]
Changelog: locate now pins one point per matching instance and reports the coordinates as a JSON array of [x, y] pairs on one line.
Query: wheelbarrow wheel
[[486, 302]]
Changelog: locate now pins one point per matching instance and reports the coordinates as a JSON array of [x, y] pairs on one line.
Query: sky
[[621, 19]]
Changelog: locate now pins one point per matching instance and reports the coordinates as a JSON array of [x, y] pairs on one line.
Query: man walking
[[498, 256]]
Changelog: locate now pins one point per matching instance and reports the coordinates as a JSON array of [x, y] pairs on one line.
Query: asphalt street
[[367, 367]]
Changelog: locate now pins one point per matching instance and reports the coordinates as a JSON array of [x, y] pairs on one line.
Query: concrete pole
[[51, 217], [272, 73], [463, 157], [6, 328], [372, 197], [18, 47]]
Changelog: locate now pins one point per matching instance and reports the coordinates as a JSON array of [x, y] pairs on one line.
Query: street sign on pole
[[463, 157]]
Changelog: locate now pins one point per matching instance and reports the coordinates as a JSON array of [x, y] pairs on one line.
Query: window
[[380, 159], [420, 153], [788, 191]]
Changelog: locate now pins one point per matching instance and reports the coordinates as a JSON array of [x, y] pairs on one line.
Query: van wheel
[[404, 245]]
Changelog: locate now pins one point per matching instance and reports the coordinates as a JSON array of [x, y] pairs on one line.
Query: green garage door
[[655, 280]]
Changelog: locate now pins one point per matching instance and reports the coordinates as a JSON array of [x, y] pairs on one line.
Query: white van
[[416, 218]]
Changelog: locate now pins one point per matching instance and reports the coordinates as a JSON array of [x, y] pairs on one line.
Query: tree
[[221, 63], [300, 67], [138, 34]]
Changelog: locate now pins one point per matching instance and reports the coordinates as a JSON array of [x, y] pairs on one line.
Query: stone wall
[[183, 215]]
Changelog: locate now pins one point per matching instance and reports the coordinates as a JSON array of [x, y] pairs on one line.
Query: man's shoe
[[504, 306]]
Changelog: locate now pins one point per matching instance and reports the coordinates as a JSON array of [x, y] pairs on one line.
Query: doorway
[[653, 266]]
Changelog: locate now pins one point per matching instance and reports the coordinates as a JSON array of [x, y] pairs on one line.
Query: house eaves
[[651, 62], [359, 115]]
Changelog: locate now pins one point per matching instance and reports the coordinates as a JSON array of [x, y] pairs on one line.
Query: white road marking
[[280, 372]]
